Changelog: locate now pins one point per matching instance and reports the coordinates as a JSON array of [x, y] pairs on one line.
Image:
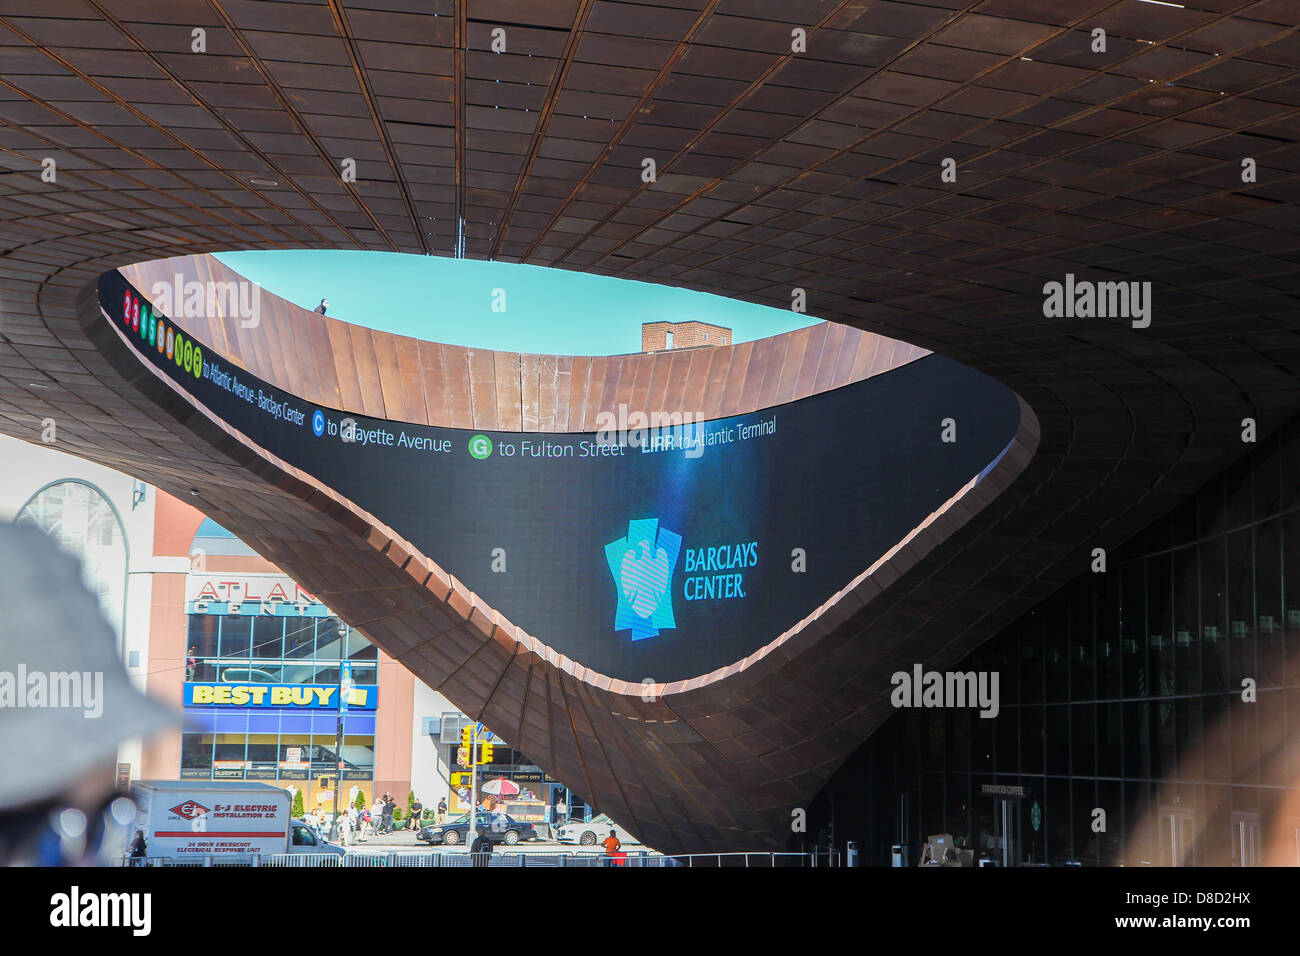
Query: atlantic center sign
[[237, 588]]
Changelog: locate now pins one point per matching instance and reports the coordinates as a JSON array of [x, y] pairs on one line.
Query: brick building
[[662, 336]]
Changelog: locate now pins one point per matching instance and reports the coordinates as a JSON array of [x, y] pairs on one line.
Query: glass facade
[[1121, 702], [278, 743], [274, 649]]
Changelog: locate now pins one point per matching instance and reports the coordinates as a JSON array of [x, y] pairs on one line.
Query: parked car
[[593, 832], [500, 828], [305, 838]]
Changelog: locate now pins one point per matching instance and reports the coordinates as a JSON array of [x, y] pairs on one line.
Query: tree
[[298, 808], [361, 801]]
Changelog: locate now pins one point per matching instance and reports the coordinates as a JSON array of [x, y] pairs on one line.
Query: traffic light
[[466, 736], [487, 754]]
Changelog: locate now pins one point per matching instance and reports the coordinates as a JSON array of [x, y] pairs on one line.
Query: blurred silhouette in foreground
[[66, 703]]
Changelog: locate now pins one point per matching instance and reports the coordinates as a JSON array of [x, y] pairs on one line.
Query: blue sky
[[450, 300]]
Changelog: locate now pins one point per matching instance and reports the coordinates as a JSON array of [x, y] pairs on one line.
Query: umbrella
[[501, 787]]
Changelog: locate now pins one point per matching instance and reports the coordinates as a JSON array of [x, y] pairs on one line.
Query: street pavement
[[405, 841]]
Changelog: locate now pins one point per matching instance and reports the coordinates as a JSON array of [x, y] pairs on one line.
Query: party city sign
[[304, 696]]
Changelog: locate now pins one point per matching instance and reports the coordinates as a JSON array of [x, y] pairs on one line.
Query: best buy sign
[[313, 696]]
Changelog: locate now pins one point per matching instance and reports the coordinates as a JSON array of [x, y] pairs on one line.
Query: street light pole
[[345, 689], [473, 780]]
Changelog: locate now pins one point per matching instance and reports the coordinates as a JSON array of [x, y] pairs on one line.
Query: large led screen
[[663, 560]]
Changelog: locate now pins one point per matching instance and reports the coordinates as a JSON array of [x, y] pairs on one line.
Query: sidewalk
[[400, 838]]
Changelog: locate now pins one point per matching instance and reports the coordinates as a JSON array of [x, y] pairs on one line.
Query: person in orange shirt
[[612, 846]]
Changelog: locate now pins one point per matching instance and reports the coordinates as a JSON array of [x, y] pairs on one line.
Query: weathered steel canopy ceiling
[[775, 170]]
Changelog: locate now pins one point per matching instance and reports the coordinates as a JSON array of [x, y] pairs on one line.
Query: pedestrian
[[377, 816], [417, 808], [562, 812], [345, 829], [366, 828], [481, 849], [389, 806], [612, 845], [191, 662], [441, 816], [139, 849]]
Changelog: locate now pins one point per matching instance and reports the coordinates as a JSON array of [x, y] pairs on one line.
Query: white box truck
[[184, 819]]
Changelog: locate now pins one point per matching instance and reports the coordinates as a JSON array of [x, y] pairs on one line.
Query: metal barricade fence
[[562, 859], [298, 860], [147, 861], [414, 859], [768, 860]]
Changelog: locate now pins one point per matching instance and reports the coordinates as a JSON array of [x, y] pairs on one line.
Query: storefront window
[[268, 634], [300, 637], [236, 636], [196, 756], [203, 634], [332, 636]]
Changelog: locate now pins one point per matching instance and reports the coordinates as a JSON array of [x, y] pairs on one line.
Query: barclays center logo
[[642, 564]]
